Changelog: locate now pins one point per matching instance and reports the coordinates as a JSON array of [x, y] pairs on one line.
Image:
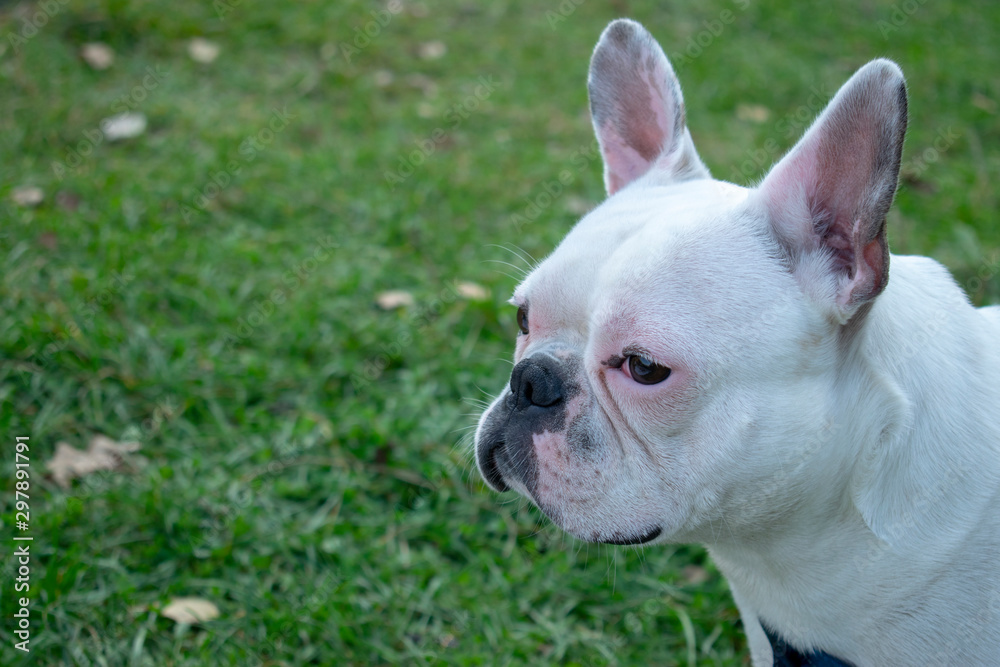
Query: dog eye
[[646, 371], [522, 319]]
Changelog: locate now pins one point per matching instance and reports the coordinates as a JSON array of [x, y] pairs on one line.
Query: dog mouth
[[648, 536], [491, 469], [496, 459]]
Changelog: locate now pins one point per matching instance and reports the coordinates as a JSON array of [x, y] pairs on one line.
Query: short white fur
[[831, 433]]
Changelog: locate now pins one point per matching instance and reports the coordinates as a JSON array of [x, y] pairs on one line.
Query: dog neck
[[916, 450]]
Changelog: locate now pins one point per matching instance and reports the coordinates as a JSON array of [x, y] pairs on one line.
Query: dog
[[703, 362]]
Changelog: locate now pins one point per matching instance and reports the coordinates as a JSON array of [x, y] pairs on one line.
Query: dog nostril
[[535, 382]]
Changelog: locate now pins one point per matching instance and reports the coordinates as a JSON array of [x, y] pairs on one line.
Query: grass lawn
[[208, 290]]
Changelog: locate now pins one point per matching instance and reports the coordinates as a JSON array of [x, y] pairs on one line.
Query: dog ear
[[827, 199], [637, 109]]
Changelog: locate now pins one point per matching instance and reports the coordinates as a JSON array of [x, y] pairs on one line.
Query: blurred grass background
[[208, 290]]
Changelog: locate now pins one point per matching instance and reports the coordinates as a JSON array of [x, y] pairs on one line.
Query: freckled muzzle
[[540, 390], [535, 439]]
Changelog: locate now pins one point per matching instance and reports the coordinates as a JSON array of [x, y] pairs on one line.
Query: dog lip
[[648, 536], [491, 470]]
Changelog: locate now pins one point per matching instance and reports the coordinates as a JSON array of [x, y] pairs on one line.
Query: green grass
[[304, 463]]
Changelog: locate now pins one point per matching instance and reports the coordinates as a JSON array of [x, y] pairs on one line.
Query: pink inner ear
[[786, 186], [834, 188], [816, 197], [623, 163], [655, 129], [636, 103], [841, 238], [870, 272]]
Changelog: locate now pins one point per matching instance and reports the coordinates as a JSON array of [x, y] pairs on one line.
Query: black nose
[[535, 381]]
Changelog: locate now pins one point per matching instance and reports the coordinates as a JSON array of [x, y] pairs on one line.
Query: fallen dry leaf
[[329, 51], [984, 103], [27, 195], [103, 453], [125, 125], [68, 201], [48, 240], [426, 84], [426, 110], [137, 609], [202, 50], [578, 205], [98, 55], [395, 298], [472, 291], [432, 50], [694, 575], [190, 610], [752, 112]]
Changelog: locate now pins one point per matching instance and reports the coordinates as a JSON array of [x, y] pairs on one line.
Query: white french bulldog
[[703, 362]]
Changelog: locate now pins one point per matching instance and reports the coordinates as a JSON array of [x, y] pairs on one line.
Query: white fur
[[843, 468]]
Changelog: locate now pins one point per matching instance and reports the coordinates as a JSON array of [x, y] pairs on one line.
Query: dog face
[[683, 339]]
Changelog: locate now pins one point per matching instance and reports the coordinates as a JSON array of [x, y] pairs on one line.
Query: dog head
[[686, 332]]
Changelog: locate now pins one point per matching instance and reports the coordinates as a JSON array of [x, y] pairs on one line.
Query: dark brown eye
[[522, 319], [646, 371]]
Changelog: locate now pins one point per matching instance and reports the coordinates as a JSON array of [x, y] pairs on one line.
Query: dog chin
[[618, 536], [633, 539]]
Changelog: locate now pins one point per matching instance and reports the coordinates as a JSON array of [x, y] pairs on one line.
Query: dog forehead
[[630, 234], [697, 282]]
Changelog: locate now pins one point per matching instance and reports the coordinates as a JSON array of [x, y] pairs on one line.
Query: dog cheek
[[519, 347], [563, 480], [552, 451]]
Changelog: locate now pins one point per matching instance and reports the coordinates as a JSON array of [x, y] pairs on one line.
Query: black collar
[[786, 656]]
